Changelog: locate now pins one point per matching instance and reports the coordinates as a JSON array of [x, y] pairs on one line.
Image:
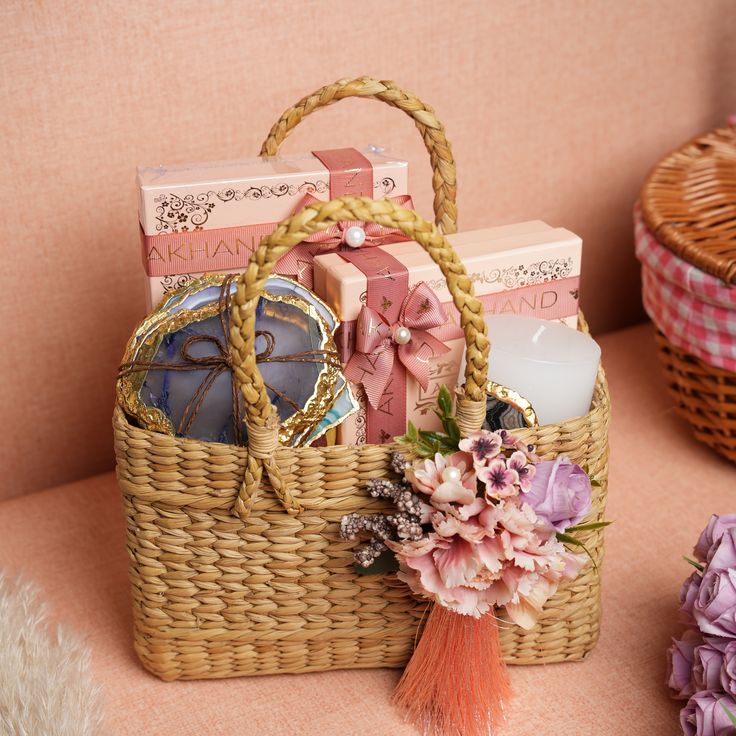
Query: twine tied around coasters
[[262, 440], [218, 364]]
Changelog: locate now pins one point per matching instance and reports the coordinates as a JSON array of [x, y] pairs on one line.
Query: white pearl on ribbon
[[451, 474], [402, 335], [354, 236]]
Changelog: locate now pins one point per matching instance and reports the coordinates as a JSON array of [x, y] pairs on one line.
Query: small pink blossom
[[427, 477], [483, 446], [524, 469], [499, 479], [514, 443]]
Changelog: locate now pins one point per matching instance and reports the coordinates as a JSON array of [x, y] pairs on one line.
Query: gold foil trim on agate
[[515, 400], [146, 340]]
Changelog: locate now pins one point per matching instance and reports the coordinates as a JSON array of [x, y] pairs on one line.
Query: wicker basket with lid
[[688, 205]]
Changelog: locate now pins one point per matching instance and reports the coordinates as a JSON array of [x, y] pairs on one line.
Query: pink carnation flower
[[530, 590], [494, 558], [450, 524], [429, 477], [448, 571]]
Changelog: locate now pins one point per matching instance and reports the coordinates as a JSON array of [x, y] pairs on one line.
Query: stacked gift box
[[400, 337], [525, 268], [210, 217]]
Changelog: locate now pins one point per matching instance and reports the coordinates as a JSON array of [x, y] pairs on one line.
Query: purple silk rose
[[704, 715], [717, 525], [728, 671], [722, 553], [560, 493], [707, 664], [680, 663], [715, 605], [688, 594]]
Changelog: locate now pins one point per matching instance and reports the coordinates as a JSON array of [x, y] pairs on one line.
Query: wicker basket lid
[[689, 202]]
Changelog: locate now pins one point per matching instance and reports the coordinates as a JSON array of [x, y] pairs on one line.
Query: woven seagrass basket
[[236, 562], [689, 203]]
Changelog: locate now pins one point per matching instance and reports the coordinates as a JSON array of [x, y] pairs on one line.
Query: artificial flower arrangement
[[702, 663], [481, 523]]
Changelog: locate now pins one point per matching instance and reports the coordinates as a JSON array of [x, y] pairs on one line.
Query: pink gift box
[[525, 268], [198, 218]]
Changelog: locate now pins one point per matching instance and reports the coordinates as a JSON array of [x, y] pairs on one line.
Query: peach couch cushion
[[70, 541]]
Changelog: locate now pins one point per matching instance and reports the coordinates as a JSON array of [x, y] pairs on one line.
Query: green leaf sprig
[[731, 716], [568, 539], [427, 444], [696, 565]]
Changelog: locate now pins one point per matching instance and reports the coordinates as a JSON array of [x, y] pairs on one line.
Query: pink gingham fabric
[[696, 311]]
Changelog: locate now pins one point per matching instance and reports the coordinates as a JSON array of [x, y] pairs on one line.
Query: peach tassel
[[456, 681]]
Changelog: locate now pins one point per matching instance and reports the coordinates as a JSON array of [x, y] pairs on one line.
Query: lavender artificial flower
[[714, 607], [717, 525], [702, 664], [728, 670], [722, 552], [560, 493], [705, 715], [707, 665], [688, 594], [680, 664]]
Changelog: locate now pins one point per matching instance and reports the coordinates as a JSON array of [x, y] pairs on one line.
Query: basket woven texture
[[236, 563], [705, 396], [689, 203]]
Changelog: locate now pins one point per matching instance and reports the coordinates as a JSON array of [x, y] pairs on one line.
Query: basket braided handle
[[261, 419], [433, 132]]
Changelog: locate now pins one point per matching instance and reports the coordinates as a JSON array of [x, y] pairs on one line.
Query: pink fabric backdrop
[[555, 109]]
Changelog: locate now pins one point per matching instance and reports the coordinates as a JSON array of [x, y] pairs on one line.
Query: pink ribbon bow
[[298, 261], [378, 343]]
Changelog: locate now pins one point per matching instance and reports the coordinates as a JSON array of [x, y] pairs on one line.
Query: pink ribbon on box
[[378, 343], [223, 249], [297, 263], [551, 300], [350, 172], [392, 339]]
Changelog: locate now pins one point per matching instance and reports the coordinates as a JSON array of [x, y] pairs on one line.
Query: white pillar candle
[[551, 365]]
